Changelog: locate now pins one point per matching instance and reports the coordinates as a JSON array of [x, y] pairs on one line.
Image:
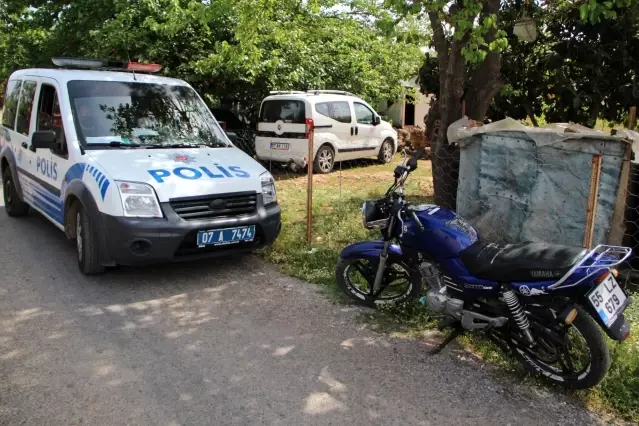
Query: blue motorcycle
[[545, 304]]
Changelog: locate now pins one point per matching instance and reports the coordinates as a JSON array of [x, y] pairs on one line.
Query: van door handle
[[356, 130], [24, 145], [352, 130]]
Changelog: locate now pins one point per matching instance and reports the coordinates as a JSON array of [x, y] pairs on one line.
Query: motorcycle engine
[[436, 297]]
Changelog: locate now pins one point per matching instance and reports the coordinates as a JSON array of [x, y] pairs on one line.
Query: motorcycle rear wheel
[[402, 283], [557, 362]]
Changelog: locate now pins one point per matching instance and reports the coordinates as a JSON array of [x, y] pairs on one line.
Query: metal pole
[[591, 212], [309, 190]]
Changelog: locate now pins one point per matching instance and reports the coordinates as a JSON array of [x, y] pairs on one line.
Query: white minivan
[[132, 166], [345, 128]]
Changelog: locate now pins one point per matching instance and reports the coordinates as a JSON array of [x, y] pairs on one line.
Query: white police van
[[132, 166]]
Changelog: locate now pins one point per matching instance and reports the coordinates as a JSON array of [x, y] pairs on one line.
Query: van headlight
[[268, 189], [139, 200]]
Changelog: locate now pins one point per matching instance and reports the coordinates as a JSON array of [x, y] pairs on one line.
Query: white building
[[408, 111]]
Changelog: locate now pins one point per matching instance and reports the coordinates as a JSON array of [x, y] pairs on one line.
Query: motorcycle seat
[[523, 262]]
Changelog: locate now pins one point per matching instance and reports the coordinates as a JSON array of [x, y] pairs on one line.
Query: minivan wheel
[[14, 206], [86, 244], [386, 152], [324, 160]]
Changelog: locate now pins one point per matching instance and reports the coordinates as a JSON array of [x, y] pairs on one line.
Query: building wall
[[421, 109], [396, 111]]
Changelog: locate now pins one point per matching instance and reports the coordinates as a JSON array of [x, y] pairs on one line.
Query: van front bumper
[[135, 241]]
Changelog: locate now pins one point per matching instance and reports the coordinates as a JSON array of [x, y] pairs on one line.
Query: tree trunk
[[484, 85]]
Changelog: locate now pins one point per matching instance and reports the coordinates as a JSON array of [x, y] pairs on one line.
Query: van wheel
[[86, 244], [324, 160], [14, 206], [385, 155]]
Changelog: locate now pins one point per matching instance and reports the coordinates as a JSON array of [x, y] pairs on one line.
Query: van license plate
[[279, 146], [608, 299], [220, 237]]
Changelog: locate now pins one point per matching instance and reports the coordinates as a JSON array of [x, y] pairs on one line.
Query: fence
[[312, 237]]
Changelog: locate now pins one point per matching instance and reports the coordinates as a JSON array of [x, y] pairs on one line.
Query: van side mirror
[[45, 139], [377, 120]]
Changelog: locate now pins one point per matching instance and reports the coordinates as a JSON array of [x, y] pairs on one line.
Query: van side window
[[11, 103], [341, 112], [25, 107], [50, 118], [363, 113], [322, 108]]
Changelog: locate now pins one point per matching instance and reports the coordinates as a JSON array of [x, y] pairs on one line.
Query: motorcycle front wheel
[[355, 277], [580, 361]]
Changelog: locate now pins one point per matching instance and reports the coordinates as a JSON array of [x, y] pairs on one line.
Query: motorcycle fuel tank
[[445, 234]]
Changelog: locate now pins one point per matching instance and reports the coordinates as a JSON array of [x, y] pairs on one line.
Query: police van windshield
[[113, 113]]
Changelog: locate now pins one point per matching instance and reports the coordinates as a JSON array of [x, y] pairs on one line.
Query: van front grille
[[214, 206]]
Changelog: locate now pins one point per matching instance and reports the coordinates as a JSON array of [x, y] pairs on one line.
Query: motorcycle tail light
[[602, 277]]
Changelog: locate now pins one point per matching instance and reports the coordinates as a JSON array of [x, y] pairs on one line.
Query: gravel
[[222, 342]]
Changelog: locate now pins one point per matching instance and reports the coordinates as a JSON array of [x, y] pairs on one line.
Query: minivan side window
[[288, 111], [341, 112], [11, 103], [25, 107], [323, 108], [49, 116], [363, 113]]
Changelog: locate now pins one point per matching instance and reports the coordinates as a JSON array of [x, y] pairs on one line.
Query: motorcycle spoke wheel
[[579, 361], [356, 278]]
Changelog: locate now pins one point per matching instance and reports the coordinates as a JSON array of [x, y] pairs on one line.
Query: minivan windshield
[[141, 115]]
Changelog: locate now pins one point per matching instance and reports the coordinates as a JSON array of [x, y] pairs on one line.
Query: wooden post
[[632, 118], [309, 189], [591, 211]]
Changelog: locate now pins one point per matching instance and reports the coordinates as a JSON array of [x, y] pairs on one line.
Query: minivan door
[[33, 165], [49, 117], [365, 128]]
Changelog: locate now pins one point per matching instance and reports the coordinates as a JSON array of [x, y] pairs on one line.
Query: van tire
[[324, 160], [14, 206], [86, 244], [385, 155]]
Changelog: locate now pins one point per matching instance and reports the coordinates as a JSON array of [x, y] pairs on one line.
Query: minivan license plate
[[220, 237], [279, 146], [608, 299]]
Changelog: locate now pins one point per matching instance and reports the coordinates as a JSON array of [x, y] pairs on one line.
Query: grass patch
[[337, 203], [337, 200]]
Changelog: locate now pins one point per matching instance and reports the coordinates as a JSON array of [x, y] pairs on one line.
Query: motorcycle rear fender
[[370, 250], [618, 330]]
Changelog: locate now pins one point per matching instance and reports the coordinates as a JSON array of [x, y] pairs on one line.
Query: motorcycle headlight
[[268, 189], [139, 200]]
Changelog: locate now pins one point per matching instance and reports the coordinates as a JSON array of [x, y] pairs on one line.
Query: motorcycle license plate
[[608, 299]]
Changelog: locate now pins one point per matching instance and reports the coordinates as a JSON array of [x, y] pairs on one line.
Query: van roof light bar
[[98, 64]]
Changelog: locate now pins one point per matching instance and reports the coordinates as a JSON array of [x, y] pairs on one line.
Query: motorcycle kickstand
[[457, 331]]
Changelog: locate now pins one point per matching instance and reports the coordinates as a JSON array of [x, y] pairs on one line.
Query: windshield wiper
[[114, 144], [176, 145]]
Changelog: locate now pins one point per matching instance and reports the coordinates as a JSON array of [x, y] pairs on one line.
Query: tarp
[[518, 183]]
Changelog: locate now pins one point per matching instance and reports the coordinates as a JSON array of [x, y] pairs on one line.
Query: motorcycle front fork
[[383, 257]]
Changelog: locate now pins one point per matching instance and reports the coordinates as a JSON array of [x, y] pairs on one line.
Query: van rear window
[[289, 111]]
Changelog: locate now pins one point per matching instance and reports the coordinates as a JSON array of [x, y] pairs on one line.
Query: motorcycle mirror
[[412, 163]]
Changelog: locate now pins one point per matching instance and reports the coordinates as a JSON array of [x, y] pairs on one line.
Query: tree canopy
[[233, 51]]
